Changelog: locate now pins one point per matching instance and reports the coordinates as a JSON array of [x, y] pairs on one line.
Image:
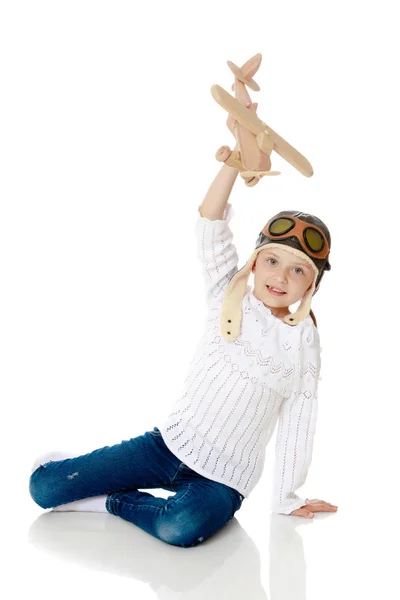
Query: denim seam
[[176, 473], [108, 504], [181, 497]]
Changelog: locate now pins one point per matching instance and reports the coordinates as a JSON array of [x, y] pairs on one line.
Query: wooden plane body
[[255, 139]]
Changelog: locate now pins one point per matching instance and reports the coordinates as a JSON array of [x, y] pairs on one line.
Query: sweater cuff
[[288, 509], [227, 216]]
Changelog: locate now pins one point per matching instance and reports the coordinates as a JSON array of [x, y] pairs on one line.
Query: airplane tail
[[251, 67]]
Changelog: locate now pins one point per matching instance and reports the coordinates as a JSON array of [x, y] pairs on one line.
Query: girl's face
[[278, 270]]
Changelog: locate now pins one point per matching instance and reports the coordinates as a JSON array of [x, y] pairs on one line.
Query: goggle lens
[[281, 226], [314, 239]]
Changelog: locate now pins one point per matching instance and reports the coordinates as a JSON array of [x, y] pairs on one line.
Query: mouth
[[275, 291]]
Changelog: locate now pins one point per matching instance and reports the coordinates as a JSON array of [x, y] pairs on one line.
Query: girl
[[256, 363]]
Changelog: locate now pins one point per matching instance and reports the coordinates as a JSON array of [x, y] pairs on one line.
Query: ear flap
[[303, 310], [231, 312]]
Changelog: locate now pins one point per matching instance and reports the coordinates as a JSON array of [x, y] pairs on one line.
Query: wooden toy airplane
[[255, 139]]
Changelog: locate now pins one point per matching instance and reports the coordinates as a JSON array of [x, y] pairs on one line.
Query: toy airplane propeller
[[255, 139]]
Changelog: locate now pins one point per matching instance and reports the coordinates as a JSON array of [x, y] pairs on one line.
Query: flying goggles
[[311, 237]]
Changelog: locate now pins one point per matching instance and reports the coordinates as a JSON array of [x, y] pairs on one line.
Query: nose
[[281, 275]]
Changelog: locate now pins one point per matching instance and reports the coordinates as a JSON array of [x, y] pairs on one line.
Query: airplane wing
[[293, 156], [249, 119]]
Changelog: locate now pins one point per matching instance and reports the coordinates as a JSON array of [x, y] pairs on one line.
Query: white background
[[108, 140]]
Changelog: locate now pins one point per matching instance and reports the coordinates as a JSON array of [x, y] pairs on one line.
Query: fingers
[[312, 506], [302, 512], [321, 506]]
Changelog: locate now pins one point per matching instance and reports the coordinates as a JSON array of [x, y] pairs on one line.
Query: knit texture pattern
[[236, 392]]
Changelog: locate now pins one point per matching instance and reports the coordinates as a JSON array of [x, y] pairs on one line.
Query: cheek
[[261, 273], [308, 283], [302, 284]]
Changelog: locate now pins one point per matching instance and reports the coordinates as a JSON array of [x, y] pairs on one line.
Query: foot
[[93, 504]]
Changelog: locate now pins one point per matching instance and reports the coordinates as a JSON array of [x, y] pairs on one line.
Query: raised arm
[[216, 250], [216, 199], [214, 204]]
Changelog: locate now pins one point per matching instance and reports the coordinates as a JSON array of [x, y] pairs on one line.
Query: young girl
[[256, 363]]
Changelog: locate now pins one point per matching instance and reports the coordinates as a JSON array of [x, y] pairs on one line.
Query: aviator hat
[[302, 234]]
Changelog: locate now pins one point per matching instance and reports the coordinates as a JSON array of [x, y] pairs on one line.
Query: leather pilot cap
[[311, 244]]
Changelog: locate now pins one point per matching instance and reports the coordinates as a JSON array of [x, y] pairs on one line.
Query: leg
[[197, 511], [141, 462]]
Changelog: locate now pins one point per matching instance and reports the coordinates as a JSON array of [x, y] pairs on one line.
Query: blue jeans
[[199, 508]]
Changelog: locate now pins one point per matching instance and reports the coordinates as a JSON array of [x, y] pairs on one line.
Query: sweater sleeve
[[217, 253], [296, 430]]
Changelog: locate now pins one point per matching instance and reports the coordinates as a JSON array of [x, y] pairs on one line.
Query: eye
[[269, 259], [297, 269]]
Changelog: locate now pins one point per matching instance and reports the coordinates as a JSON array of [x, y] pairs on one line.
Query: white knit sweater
[[237, 390]]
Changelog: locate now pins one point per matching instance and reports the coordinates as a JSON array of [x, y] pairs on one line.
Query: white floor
[[257, 555]]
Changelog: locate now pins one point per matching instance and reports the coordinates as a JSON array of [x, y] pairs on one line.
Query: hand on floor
[[313, 506]]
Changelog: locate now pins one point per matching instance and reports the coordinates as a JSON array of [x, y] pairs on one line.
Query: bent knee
[[179, 537], [41, 490], [177, 530]]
